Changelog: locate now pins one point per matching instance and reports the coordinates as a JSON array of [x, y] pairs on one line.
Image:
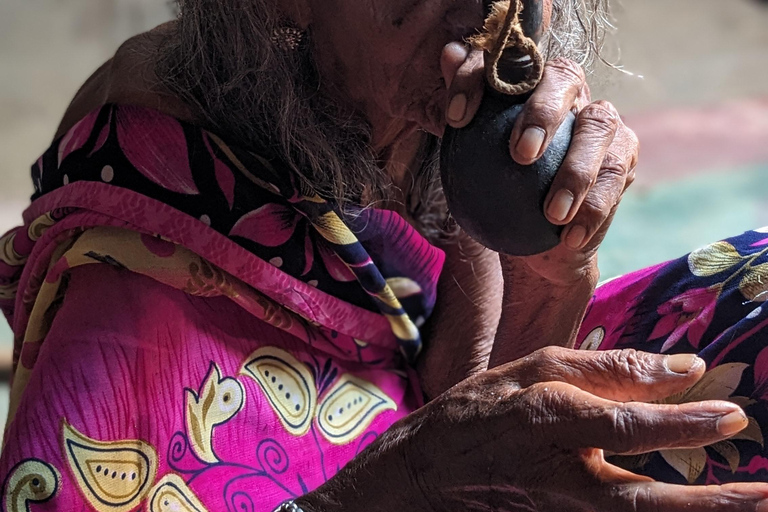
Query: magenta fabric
[[711, 302], [194, 329], [121, 361]]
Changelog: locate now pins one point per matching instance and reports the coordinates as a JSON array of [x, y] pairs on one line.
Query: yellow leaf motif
[[403, 287], [594, 339], [349, 407], [8, 254], [116, 474], [171, 494], [8, 291], [713, 259], [331, 227], [219, 400], [718, 383], [754, 285], [689, 463], [39, 226], [729, 452], [30, 481], [288, 385], [742, 401]]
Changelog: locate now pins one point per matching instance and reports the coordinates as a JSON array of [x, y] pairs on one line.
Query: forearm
[[537, 312], [460, 333]]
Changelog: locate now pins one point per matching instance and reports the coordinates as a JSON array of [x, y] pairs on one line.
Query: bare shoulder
[[129, 77]]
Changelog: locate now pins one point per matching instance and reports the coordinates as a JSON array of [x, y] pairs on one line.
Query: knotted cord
[[499, 36]]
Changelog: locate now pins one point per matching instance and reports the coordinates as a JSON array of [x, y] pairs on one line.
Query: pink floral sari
[[710, 302], [194, 330]]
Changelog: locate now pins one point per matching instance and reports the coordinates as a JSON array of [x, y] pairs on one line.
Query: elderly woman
[[237, 248]]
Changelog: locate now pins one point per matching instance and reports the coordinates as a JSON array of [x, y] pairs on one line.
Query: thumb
[[463, 72]]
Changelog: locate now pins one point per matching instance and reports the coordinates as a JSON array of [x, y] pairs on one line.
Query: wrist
[[557, 270], [377, 480], [540, 309]]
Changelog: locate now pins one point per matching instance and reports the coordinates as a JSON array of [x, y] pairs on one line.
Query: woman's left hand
[[597, 170]]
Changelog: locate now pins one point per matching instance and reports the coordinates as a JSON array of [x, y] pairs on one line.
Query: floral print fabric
[[711, 302], [195, 330]]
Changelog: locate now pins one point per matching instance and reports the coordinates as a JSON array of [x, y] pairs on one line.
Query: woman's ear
[[298, 11]]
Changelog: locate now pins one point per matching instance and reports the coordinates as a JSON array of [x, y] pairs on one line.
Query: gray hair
[[578, 31], [222, 61]]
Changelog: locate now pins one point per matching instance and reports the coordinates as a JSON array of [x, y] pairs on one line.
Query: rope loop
[[498, 37]]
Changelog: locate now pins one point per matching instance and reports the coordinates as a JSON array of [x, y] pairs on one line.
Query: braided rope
[[511, 35]]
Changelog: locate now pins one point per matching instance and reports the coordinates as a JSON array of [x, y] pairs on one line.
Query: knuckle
[[540, 405], [471, 69], [550, 353], [594, 210], [643, 499], [610, 108], [542, 112], [578, 179], [545, 364], [567, 70], [630, 365], [615, 165], [624, 424], [595, 117]]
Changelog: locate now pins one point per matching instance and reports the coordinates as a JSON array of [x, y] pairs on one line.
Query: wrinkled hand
[[530, 435], [597, 170]]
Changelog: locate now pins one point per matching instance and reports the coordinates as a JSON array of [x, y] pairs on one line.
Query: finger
[[583, 99], [657, 497], [598, 207], [621, 375], [561, 84], [463, 74], [615, 474], [594, 132], [549, 501], [576, 419], [453, 56]]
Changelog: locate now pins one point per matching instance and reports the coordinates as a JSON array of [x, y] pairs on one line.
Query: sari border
[[153, 217]]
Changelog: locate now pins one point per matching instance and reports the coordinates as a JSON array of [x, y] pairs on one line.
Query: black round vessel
[[495, 200]]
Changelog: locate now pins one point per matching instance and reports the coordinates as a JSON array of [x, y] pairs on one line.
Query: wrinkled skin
[[528, 434], [381, 56], [402, 63]]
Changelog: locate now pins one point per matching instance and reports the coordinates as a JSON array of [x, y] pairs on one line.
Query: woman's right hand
[[530, 435]]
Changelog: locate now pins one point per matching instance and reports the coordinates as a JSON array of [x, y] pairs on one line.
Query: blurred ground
[[701, 111]]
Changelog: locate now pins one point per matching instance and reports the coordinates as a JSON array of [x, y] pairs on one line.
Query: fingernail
[[575, 237], [732, 423], [460, 50], [530, 143], [683, 363], [457, 108], [561, 204]]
